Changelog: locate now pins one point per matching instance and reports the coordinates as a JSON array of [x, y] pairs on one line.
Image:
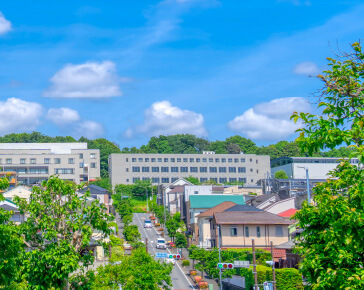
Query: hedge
[[249, 277]]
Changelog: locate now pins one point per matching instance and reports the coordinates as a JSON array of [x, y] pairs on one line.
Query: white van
[[161, 243], [147, 223]]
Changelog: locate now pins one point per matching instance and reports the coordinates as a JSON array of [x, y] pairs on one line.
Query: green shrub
[[116, 241], [185, 263], [264, 273], [117, 254], [249, 277], [288, 279]]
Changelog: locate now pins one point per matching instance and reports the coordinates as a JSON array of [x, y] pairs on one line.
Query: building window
[[159, 159], [192, 159], [174, 169], [165, 159], [127, 160], [155, 179], [71, 161], [203, 179], [242, 160], [251, 180], [93, 165], [63, 171], [92, 155], [173, 179], [233, 231], [256, 161], [184, 169], [57, 160], [203, 169], [145, 169], [222, 169], [155, 169], [127, 169], [223, 179], [230, 160], [33, 161], [223, 160], [127, 180], [232, 179], [241, 169], [214, 179], [232, 169], [247, 232], [178, 159], [213, 169], [204, 159], [242, 179], [195, 192], [173, 159], [257, 171], [38, 170], [193, 169], [152, 160], [47, 160], [279, 231], [185, 159], [22, 161], [146, 159], [236, 160], [198, 160], [81, 155], [133, 160], [164, 169], [211, 159], [145, 178], [136, 169], [135, 179], [251, 169], [251, 160], [140, 159], [81, 164], [165, 179], [258, 232], [217, 159]]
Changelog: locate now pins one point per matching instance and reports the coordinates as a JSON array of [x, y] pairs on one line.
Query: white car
[[127, 246], [161, 243], [148, 224], [170, 261]]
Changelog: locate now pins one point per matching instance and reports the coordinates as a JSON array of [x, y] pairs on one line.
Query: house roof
[[287, 245], [17, 189], [8, 205], [243, 207], [288, 213], [178, 180], [178, 189], [94, 189], [211, 200], [218, 188], [219, 208], [251, 217]]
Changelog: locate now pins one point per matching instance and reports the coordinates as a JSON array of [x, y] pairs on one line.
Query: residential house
[[243, 189], [281, 205], [97, 192], [8, 205], [20, 191], [263, 201]]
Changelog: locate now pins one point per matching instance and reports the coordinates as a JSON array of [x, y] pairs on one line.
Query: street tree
[[280, 174], [331, 244]]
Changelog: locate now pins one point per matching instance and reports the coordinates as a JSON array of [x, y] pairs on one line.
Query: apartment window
[[242, 160], [222, 169], [217, 159], [230, 160], [93, 165], [127, 160], [127, 169], [135, 179], [222, 179], [165, 159], [232, 169], [242, 179], [71, 161], [127, 180], [57, 160], [192, 159], [279, 231], [223, 160], [140, 159], [178, 159], [159, 159], [185, 159], [213, 169], [258, 232], [145, 169], [236, 160], [241, 169], [257, 171], [164, 169], [193, 169], [184, 169], [152, 160], [136, 169], [195, 192], [47, 160], [247, 232], [211, 159], [155, 179], [251, 169], [146, 159], [251, 160], [22, 161], [256, 161], [203, 169], [233, 231], [165, 179], [33, 161], [173, 160], [81, 165], [252, 180], [203, 179], [145, 178], [198, 160], [62, 170], [204, 159], [214, 179], [173, 179], [155, 169], [174, 169], [92, 155], [81, 155], [39, 170], [232, 179], [133, 160]]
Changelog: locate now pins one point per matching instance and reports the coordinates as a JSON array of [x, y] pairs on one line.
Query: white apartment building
[[167, 168], [34, 162]]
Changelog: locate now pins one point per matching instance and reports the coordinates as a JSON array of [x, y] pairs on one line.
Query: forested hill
[[180, 143]]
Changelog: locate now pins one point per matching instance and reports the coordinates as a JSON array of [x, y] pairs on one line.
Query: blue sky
[[129, 70]]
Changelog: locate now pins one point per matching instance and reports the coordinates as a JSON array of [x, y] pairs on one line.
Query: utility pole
[[254, 266], [146, 244], [218, 238], [307, 183], [146, 191], [273, 267], [165, 214]]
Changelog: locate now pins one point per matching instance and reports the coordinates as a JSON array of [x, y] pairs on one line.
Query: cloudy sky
[[129, 70]]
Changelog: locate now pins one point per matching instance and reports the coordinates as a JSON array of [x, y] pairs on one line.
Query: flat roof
[[58, 148]]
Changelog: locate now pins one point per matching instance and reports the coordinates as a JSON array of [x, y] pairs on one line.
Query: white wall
[[281, 206], [315, 170], [201, 189]]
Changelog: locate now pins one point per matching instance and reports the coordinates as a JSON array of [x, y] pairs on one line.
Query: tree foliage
[[280, 174], [331, 243]]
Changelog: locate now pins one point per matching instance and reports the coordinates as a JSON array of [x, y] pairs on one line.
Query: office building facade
[[167, 168], [34, 162]]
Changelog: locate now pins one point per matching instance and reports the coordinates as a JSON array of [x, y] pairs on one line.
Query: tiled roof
[[177, 189], [219, 208], [211, 200], [288, 213], [251, 217], [243, 207], [94, 189]]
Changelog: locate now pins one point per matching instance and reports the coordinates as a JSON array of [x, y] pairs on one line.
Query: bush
[[115, 241], [203, 285], [193, 272], [117, 254], [249, 277], [186, 263], [286, 278], [198, 279]]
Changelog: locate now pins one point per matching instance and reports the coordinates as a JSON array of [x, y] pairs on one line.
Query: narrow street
[[179, 279]]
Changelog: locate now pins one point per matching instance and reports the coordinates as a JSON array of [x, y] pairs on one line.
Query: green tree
[[193, 180], [331, 243], [246, 146], [59, 226], [131, 233], [280, 174], [103, 182], [173, 225], [181, 240]]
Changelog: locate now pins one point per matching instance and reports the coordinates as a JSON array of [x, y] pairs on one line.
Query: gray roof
[[252, 217], [287, 245], [94, 189], [243, 207], [262, 198]]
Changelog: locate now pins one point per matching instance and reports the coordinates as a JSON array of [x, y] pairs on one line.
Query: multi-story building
[[167, 168], [34, 162]]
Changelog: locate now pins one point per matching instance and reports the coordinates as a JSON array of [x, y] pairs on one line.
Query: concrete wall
[[197, 190]]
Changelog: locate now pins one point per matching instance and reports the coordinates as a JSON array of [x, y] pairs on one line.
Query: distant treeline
[[179, 143]]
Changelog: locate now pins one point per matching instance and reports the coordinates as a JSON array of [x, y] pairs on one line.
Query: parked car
[[127, 246], [148, 224], [170, 261], [161, 243]]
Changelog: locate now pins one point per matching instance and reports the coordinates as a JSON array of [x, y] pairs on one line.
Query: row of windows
[[192, 169], [202, 179], [234, 231], [64, 171], [222, 160], [45, 160]]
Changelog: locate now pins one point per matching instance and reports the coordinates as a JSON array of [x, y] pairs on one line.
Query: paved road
[[179, 279]]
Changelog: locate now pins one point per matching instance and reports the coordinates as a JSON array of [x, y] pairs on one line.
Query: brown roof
[[261, 217], [177, 189], [219, 208], [218, 188]]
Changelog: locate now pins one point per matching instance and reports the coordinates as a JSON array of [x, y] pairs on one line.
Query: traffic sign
[[241, 264], [174, 256], [161, 255], [225, 266]]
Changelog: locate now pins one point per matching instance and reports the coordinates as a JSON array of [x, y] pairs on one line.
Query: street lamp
[[218, 238], [307, 183]]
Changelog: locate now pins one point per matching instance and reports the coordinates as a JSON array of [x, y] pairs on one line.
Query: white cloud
[[62, 116], [271, 120], [164, 119], [89, 129], [18, 115], [306, 68], [88, 80], [5, 25]]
